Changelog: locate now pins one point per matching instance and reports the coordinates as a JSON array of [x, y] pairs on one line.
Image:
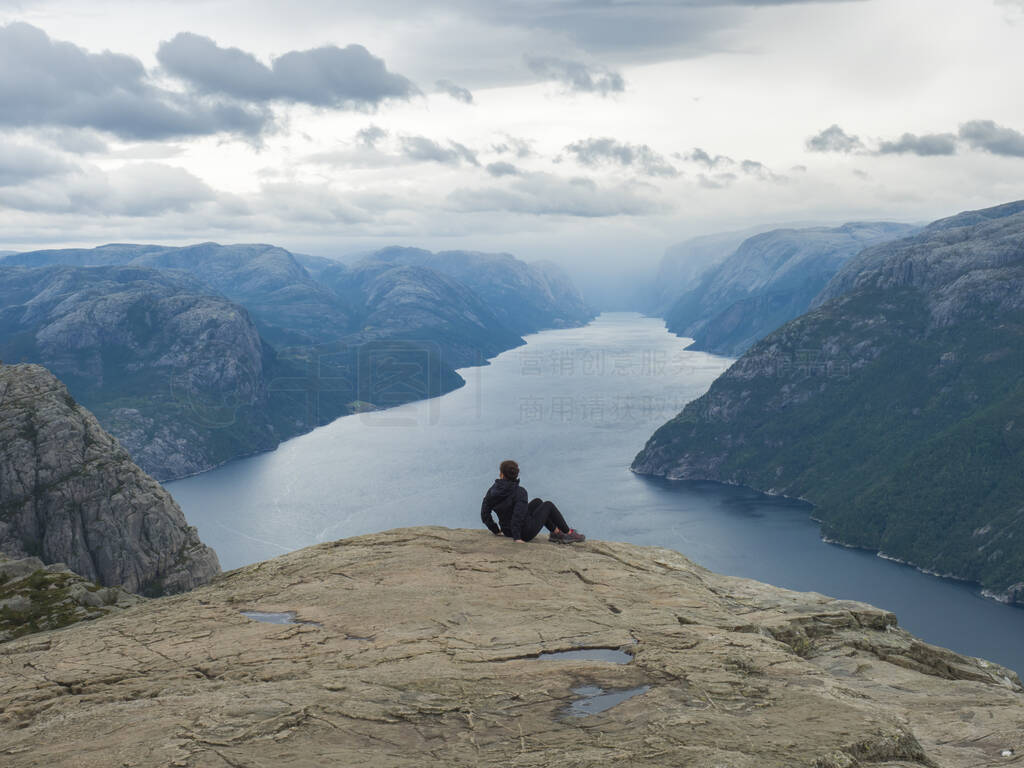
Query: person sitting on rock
[[517, 519]]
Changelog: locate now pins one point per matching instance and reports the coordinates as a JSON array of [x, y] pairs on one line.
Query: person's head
[[509, 469]]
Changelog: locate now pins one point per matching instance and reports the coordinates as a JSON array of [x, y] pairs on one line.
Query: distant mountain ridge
[[195, 355], [769, 279], [683, 264], [896, 406], [526, 297]]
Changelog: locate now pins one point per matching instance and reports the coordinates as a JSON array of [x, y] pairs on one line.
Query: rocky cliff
[[430, 646], [896, 406], [770, 278], [69, 493]]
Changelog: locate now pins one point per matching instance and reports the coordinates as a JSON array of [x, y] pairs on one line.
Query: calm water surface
[[573, 407]]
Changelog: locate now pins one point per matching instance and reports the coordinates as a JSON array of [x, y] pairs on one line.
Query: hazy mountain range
[[768, 279]]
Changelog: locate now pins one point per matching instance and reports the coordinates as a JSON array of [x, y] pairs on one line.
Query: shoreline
[[988, 594]]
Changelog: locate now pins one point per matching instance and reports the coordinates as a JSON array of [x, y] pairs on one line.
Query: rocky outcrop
[[770, 279], [69, 493], [896, 406], [429, 646], [35, 597]]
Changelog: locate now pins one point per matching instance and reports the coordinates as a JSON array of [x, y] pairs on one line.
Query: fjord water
[[573, 407]]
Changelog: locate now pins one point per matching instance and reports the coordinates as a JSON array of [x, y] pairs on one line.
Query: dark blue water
[[573, 407]]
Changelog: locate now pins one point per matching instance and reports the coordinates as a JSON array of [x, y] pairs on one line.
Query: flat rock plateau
[[422, 646]]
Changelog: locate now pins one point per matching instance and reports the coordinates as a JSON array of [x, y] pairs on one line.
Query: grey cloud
[[20, 163], [457, 92], [370, 135], [329, 76], [421, 148], [701, 157], [760, 171], [310, 204], [502, 168], [834, 139], [987, 136], [512, 145], [718, 181], [649, 29], [80, 142], [542, 194], [593, 152], [925, 145], [109, 92], [577, 76], [136, 190]]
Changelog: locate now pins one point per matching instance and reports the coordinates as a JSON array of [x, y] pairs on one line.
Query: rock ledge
[[421, 647]]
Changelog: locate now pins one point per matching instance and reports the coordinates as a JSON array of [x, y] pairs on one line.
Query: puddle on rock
[[595, 699], [287, 617], [613, 655]]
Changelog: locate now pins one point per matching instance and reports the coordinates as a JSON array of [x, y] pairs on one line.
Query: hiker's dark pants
[[542, 514]]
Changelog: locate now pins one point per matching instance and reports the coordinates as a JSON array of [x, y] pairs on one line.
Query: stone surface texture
[[421, 648]]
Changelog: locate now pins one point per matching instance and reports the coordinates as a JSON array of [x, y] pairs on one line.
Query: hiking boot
[[557, 536], [573, 535]]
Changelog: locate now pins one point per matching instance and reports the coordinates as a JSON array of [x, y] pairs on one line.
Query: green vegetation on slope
[[897, 408]]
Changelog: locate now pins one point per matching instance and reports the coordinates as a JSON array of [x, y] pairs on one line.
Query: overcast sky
[[579, 130]]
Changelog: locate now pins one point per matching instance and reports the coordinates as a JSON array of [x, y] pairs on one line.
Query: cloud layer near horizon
[[489, 125]]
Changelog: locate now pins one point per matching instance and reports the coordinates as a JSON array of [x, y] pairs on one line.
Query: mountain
[[423, 647], [683, 264], [420, 305], [177, 372], [288, 305], [770, 278], [193, 356], [69, 493], [896, 406], [526, 298]]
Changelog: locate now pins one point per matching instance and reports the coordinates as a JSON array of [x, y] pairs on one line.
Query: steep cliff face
[[176, 372], [770, 279], [896, 406], [525, 298], [436, 647], [69, 493]]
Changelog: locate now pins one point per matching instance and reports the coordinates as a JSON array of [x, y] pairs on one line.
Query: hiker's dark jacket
[[508, 500]]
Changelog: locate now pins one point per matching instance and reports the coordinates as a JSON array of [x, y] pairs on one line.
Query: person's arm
[[487, 518], [519, 514]]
